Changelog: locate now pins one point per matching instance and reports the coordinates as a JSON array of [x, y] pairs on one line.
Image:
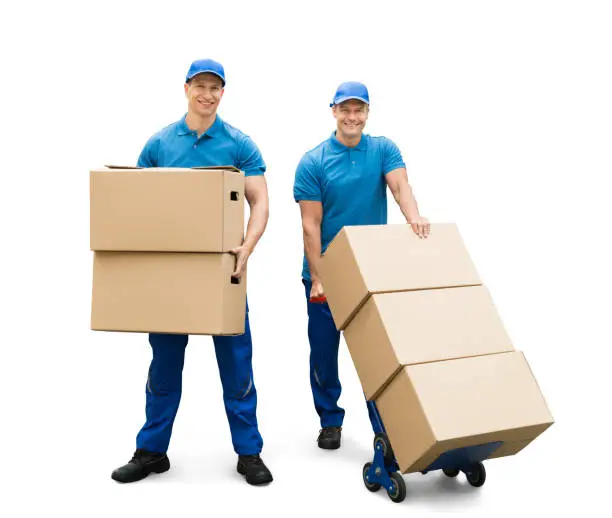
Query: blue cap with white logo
[[351, 90], [209, 66]]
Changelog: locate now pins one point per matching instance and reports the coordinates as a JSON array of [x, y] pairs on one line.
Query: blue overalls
[[178, 146], [350, 184]]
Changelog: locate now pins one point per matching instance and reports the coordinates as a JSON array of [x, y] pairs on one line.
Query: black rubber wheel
[[371, 486], [451, 472], [382, 441], [477, 475], [397, 491]]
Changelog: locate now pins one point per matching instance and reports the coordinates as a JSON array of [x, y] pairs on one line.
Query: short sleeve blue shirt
[[178, 146], [349, 182]]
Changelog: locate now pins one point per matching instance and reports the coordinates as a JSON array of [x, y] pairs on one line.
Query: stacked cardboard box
[[429, 346], [161, 239]]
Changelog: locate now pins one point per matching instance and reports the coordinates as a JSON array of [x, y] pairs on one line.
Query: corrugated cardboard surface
[[460, 403], [189, 293], [387, 258], [396, 329], [166, 209]]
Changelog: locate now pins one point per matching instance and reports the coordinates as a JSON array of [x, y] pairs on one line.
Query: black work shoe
[[143, 462], [329, 437], [253, 468]]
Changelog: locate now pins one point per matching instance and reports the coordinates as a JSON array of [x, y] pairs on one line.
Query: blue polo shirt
[[349, 182], [178, 146]]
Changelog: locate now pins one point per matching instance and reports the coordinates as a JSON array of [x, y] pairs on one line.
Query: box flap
[[219, 168], [211, 167]]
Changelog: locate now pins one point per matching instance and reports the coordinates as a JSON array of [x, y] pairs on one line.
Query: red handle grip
[[318, 300]]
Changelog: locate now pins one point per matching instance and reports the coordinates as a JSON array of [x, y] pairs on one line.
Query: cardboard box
[[362, 260], [392, 330], [166, 209], [432, 408], [167, 292]]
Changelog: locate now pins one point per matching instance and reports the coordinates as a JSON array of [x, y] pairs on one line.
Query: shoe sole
[[259, 482], [332, 447], [267, 480]]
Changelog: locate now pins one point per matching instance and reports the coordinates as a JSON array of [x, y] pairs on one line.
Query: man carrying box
[[343, 182], [201, 138]]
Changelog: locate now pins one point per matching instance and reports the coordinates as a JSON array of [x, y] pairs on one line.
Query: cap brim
[[189, 78], [348, 98]]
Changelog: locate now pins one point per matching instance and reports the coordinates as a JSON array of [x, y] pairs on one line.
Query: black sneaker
[[329, 437], [254, 469], [143, 462]]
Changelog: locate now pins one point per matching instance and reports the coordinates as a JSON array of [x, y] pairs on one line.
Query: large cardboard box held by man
[[431, 409], [166, 209], [362, 260], [160, 238], [165, 292]]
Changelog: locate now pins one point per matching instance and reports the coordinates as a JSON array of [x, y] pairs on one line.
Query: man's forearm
[[312, 247], [258, 220], [407, 203]]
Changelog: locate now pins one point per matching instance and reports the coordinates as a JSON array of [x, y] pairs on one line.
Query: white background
[[503, 113]]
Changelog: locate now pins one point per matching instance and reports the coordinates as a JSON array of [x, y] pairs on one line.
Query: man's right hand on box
[[242, 254]]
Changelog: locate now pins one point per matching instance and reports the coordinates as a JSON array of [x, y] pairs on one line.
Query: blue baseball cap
[[351, 90], [209, 66]]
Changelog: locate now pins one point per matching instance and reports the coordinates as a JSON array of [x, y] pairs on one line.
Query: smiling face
[[204, 93], [351, 117]]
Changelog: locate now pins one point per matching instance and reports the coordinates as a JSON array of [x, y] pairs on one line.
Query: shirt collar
[[213, 131], [216, 127], [339, 147]]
